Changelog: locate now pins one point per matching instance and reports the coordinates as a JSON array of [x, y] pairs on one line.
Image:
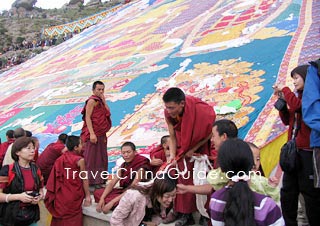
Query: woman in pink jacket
[[145, 206]]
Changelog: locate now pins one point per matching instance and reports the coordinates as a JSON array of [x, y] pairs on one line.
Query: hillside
[[25, 24]]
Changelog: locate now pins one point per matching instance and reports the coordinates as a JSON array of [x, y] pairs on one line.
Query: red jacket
[[287, 117]]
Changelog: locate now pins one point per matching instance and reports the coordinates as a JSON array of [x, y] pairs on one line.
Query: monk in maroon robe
[[97, 122], [130, 172], [4, 146], [66, 188], [159, 154], [50, 154], [189, 121]]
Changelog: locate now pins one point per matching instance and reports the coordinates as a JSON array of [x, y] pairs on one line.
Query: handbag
[[288, 153], [280, 104]]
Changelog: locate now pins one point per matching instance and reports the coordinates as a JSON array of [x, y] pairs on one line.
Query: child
[[21, 186], [160, 154], [236, 203], [131, 172], [258, 183], [139, 204], [66, 187]]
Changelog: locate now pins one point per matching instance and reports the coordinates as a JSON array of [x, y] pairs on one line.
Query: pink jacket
[[131, 209]]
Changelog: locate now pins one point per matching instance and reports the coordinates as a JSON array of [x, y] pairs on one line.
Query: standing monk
[[97, 122], [189, 121]]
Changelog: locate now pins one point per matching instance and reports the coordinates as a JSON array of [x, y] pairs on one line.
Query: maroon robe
[[3, 149], [127, 178], [95, 155], [158, 153], [48, 157], [195, 125], [101, 121], [65, 192]]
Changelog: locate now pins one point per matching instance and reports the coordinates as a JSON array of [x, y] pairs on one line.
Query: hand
[[156, 162], [37, 199], [25, 198], [278, 89], [171, 158], [100, 205], [273, 181], [93, 138], [107, 207], [87, 201], [189, 154], [182, 189]]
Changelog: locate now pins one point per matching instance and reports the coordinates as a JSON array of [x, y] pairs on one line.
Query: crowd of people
[[161, 188], [18, 53]]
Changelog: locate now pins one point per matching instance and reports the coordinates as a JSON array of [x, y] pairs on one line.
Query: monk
[[159, 154], [97, 122], [4, 146], [132, 171], [66, 188], [50, 154], [189, 121]]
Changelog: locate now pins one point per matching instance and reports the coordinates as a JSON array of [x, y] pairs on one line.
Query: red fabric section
[[8, 115], [48, 157], [65, 192], [96, 159], [181, 200], [72, 221], [101, 121], [3, 149], [158, 153], [36, 155], [27, 178], [113, 194], [287, 117], [14, 97]]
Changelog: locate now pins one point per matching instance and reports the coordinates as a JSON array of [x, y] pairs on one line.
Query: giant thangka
[[228, 53]]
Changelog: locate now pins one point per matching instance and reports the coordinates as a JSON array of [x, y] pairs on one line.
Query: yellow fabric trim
[[270, 154]]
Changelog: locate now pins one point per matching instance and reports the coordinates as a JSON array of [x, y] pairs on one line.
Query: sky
[[44, 4]]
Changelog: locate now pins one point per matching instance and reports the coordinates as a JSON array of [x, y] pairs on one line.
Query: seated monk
[[159, 154], [130, 173], [50, 154]]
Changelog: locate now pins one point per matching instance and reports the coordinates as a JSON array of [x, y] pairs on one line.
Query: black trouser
[[300, 181]]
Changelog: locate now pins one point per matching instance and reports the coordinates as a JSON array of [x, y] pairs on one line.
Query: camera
[[280, 104], [33, 193]]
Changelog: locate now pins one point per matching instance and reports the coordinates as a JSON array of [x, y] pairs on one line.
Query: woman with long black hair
[[236, 203]]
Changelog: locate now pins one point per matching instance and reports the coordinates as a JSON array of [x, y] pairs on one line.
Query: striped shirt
[[266, 211]]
